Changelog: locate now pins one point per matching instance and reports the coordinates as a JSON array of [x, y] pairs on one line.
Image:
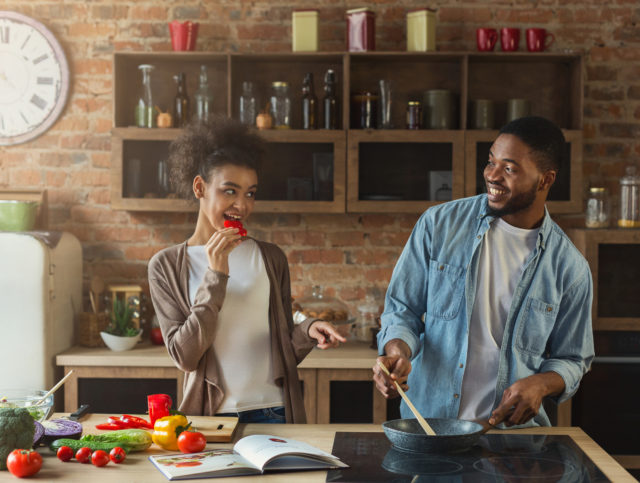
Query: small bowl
[[118, 343], [17, 215], [27, 398]]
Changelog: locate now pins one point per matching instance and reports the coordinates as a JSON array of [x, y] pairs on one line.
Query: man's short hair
[[543, 137]]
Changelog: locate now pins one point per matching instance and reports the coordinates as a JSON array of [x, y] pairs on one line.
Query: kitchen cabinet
[[328, 377], [614, 258], [348, 169]]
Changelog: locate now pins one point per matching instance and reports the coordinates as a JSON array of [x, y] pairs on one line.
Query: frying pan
[[451, 435]]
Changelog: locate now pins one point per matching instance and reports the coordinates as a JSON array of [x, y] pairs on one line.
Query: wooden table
[[137, 468], [349, 362]]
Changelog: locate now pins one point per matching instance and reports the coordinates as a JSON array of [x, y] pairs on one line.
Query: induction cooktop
[[496, 457]]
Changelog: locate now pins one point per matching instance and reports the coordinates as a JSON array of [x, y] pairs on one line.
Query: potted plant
[[121, 334]]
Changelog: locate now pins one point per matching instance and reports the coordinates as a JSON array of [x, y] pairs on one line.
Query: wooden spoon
[[97, 287], [54, 388], [421, 420]]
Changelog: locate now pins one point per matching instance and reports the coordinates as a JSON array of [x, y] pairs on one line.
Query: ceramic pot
[[118, 343]]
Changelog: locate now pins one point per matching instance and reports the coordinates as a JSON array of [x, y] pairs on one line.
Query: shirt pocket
[[445, 291], [536, 326]]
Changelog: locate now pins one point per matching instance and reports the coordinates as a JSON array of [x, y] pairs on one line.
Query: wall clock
[[34, 78]]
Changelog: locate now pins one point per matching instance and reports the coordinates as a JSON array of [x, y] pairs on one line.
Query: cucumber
[[76, 444]]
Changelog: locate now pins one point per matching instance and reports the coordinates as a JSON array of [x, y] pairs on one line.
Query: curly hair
[[543, 137], [203, 147]]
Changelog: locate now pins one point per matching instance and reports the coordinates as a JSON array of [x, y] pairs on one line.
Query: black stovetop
[[496, 457]]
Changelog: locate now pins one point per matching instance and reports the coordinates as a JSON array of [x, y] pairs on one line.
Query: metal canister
[[361, 34], [414, 115]]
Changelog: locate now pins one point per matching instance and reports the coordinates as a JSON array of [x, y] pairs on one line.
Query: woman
[[223, 300]]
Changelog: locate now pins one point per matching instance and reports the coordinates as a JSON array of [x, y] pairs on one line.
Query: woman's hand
[[219, 246], [326, 334]]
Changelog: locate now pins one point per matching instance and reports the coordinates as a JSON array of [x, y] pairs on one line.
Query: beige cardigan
[[189, 331]]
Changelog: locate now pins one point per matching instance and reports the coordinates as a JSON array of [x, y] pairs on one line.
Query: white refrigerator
[[40, 293]]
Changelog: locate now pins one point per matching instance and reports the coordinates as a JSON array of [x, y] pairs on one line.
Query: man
[[489, 307]]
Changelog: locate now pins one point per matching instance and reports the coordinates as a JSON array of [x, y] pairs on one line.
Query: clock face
[[34, 78]]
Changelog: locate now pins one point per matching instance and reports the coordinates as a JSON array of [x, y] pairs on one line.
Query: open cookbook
[[252, 455]]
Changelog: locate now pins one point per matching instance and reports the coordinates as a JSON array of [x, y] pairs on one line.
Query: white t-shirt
[[503, 254], [243, 342]]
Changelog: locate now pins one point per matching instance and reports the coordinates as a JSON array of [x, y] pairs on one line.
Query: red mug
[[537, 40], [486, 39], [509, 39], [183, 35]]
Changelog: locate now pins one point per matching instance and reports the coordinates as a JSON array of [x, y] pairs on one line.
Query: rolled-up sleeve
[[570, 346], [406, 296]]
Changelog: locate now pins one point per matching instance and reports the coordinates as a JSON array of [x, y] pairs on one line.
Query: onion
[[61, 428]]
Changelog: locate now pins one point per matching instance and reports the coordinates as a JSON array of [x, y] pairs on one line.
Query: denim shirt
[[431, 295]]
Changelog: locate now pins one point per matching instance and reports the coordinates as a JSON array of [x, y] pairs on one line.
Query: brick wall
[[349, 254]]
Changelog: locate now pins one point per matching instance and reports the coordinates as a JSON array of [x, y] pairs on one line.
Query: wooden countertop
[[352, 355], [137, 468]]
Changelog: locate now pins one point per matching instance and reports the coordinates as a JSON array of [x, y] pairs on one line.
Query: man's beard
[[518, 203]]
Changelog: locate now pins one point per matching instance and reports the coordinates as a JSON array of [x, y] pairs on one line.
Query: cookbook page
[[219, 462], [260, 449]]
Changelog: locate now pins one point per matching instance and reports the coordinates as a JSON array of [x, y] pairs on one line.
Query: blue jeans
[[273, 415]]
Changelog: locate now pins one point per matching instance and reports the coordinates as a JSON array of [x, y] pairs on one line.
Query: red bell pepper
[[236, 224], [135, 422], [108, 426], [159, 406]]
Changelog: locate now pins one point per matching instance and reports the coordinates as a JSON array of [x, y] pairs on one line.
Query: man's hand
[[397, 363], [326, 334], [522, 400]]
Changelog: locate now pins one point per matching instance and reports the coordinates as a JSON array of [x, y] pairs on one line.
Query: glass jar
[[280, 105], [364, 110], [414, 115], [597, 214], [629, 199], [323, 307], [203, 97], [368, 317]]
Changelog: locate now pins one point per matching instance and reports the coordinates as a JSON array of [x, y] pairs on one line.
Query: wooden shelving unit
[[372, 170], [614, 257]]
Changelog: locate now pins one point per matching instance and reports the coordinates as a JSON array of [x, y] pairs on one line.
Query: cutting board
[[217, 429]]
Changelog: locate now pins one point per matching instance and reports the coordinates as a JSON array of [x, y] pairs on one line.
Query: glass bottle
[[309, 103], [629, 199], [203, 97], [144, 114], [280, 105], [330, 101], [248, 109], [597, 214], [181, 102]]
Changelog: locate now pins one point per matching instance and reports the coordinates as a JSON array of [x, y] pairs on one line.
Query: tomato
[[191, 442], [24, 462], [83, 454], [65, 453], [99, 457], [156, 336], [117, 455]]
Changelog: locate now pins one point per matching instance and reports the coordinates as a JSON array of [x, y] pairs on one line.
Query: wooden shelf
[[552, 81]]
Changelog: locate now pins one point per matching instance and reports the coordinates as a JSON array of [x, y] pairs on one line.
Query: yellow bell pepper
[[167, 429]]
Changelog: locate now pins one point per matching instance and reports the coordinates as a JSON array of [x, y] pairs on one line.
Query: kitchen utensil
[[29, 399], [54, 388], [509, 39], [451, 434], [216, 429], [539, 39], [78, 413], [421, 420], [486, 39], [97, 287]]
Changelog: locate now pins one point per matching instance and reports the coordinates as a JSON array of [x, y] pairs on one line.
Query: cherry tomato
[[191, 442], [83, 454], [24, 462], [117, 455], [99, 457], [65, 453]]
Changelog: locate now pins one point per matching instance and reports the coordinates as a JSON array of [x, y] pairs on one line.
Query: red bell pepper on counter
[[159, 406], [126, 421]]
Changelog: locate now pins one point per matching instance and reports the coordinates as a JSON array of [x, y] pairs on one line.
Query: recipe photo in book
[[252, 455]]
